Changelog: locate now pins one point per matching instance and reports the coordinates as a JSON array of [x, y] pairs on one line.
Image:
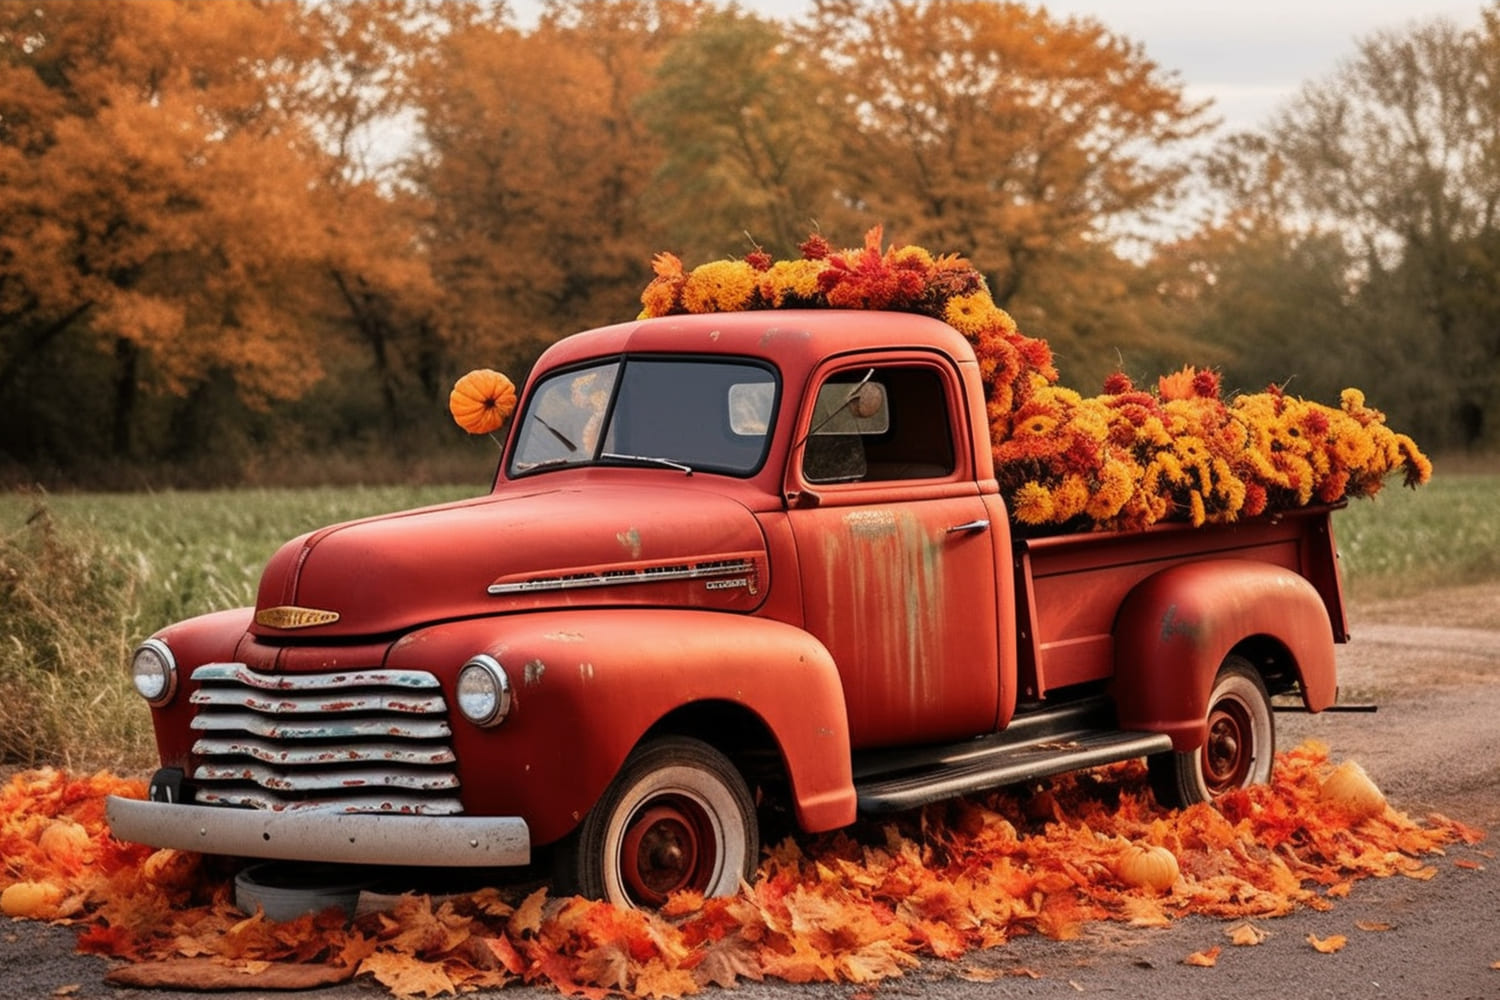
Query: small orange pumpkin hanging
[[1147, 866], [482, 400]]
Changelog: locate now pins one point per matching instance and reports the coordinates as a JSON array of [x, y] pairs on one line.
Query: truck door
[[895, 550]]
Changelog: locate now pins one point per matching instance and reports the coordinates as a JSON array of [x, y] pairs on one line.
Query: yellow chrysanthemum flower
[[791, 280], [1069, 499], [973, 314], [719, 286], [1032, 504], [1196, 514], [912, 257], [1116, 482]]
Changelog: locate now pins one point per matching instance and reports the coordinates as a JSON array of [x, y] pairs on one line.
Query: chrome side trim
[[613, 578], [457, 841]]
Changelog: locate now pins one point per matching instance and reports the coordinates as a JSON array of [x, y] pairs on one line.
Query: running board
[[1035, 746]]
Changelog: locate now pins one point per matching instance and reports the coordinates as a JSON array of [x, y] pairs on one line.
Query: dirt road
[[1431, 663]]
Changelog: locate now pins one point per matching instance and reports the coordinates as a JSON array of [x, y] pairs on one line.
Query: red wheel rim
[[1230, 751], [669, 846]]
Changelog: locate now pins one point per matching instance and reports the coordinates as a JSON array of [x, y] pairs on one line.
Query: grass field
[[85, 577]]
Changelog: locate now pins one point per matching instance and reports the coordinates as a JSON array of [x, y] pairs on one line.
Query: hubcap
[[669, 846], [1230, 750]]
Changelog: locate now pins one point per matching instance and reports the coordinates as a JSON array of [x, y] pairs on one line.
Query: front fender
[[1176, 627], [588, 684], [208, 638]]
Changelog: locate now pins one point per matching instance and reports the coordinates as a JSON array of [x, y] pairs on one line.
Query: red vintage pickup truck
[[729, 561]]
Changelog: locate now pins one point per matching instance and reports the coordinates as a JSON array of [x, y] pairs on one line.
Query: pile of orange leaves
[[859, 906]]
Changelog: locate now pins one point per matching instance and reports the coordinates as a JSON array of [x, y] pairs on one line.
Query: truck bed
[[1069, 587]]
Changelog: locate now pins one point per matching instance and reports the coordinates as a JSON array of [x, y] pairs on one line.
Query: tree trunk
[[128, 362]]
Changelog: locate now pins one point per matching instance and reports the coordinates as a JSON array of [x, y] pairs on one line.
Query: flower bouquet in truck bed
[[1127, 458]]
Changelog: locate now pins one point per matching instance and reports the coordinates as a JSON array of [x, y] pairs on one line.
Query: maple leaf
[[1206, 959], [607, 964], [505, 953], [876, 961], [1328, 945], [407, 977], [562, 972], [527, 919], [977, 974], [657, 979], [800, 963], [725, 961], [1246, 935]]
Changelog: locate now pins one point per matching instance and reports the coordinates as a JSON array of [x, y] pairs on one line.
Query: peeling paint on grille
[[324, 742]]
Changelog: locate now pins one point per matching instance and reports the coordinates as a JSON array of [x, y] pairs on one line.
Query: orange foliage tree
[[187, 212], [154, 195], [742, 114], [1031, 141], [533, 189]]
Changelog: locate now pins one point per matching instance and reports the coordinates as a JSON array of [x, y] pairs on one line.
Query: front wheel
[[677, 817], [1239, 750]]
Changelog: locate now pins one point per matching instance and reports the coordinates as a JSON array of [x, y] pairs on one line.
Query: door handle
[[980, 525]]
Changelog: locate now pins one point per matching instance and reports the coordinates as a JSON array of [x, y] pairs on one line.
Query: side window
[[880, 424]]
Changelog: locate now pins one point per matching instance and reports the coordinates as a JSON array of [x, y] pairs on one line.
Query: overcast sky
[[1248, 56]]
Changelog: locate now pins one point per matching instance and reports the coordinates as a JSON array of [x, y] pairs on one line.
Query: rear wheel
[[1240, 747], [677, 817]]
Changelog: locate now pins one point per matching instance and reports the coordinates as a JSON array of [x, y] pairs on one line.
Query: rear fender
[[1176, 627], [588, 685]]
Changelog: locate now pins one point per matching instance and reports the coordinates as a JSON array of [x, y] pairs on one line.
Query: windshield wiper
[[649, 460]]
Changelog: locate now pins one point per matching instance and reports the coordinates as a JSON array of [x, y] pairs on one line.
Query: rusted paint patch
[[781, 333], [1172, 626], [533, 672], [870, 523], [631, 540]]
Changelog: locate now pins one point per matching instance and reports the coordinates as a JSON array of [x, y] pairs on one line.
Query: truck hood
[[615, 545]]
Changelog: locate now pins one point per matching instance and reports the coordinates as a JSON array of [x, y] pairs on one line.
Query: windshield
[[683, 413]]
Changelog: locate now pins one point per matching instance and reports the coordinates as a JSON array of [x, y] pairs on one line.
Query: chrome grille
[[353, 741]]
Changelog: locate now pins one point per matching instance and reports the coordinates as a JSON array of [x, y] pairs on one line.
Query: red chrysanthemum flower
[[815, 247]]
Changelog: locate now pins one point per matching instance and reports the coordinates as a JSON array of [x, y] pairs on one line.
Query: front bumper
[[316, 835]]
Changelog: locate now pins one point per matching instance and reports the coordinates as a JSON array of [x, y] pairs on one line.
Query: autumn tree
[[1397, 153], [741, 112], [1265, 297], [1034, 144], [535, 228], [154, 211], [381, 294]]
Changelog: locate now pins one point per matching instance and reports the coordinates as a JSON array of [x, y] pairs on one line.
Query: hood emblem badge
[[288, 616]]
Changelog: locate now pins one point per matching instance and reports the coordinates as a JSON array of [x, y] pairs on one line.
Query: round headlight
[[154, 671], [484, 691]]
